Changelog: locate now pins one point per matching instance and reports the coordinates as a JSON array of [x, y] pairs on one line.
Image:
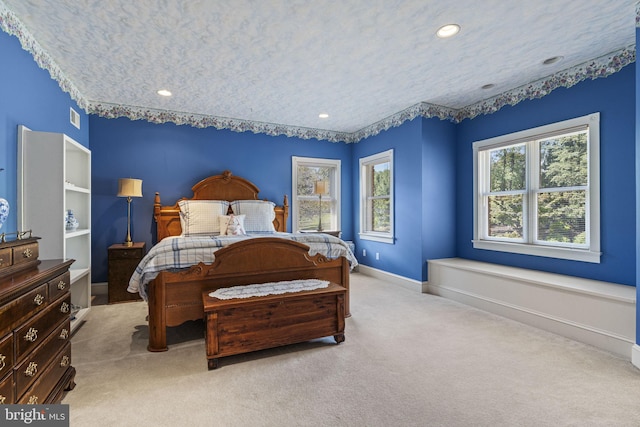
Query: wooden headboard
[[218, 187]]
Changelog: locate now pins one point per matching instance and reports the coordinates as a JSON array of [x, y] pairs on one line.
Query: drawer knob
[[31, 370], [38, 300], [27, 253], [32, 335], [33, 400], [1, 261], [64, 308], [62, 285], [3, 400], [64, 334], [2, 361], [65, 361]]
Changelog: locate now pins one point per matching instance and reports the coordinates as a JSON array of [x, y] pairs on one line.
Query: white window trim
[[385, 156], [591, 254], [335, 190]]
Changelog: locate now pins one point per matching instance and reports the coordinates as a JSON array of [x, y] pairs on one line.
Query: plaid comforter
[[174, 253]]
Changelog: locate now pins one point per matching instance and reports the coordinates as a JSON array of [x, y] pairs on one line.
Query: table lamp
[[129, 187], [320, 188]]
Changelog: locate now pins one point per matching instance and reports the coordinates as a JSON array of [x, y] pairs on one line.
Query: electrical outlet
[[377, 255], [364, 252]]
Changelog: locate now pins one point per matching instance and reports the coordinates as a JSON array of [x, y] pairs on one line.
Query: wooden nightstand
[[123, 261]]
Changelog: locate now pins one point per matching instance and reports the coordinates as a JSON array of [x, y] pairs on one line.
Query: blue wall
[[438, 191], [424, 199], [614, 98], [170, 159], [30, 97], [403, 256]]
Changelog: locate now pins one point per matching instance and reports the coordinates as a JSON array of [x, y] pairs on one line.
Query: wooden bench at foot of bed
[[242, 325]]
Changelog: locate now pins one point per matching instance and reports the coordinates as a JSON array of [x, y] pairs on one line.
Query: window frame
[[366, 233], [529, 245], [334, 189]]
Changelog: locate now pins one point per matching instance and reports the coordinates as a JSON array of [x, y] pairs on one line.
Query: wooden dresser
[[35, 305]]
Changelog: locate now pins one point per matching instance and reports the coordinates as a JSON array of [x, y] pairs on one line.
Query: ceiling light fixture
[[164, 92], [323, 115], [448, 30], [552, 60]]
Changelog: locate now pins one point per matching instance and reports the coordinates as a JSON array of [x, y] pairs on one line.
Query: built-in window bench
[[598, 313]]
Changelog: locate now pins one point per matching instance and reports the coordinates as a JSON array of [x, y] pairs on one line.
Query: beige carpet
[[409, 359]]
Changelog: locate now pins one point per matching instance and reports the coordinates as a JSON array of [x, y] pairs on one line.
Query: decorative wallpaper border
[[112, 111], [11, 25], [600, 67]]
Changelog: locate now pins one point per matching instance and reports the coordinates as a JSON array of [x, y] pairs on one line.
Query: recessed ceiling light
[[164, 92], [552, 60], [488, 86], [448, 30], [323, 115]]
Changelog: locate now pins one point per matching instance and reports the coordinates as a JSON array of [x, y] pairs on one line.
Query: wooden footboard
[[175, 298]]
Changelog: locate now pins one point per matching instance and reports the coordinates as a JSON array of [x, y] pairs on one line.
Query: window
[[537, 192], [311, 210], [376, 197]]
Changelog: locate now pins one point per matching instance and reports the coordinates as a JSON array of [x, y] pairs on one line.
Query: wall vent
[[74, 117]]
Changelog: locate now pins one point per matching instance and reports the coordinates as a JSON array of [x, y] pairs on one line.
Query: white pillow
[[232, 225], [201, 216], [259, 214]]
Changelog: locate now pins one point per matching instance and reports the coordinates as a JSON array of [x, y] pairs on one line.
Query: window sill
[[584, 255], [332, 233], [382, 238]]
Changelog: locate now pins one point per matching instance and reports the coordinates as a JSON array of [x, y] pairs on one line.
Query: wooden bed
[[176, 297]]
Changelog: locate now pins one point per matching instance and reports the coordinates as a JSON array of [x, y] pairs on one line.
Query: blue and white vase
[[4, 211], [70, 221]]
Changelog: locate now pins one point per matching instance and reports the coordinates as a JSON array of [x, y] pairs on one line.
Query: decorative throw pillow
[[232, 225], [259, 214], [201, 216]]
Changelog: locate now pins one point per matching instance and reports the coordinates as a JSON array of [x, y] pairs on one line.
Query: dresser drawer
[[59, 286], [32, 333], [6, 355], [6, 390], [129, 253], [44, 385], [25, 253], [27, 371], [6, 257], [22, 308]]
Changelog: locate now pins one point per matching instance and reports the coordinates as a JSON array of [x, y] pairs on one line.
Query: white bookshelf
[[54, 175]]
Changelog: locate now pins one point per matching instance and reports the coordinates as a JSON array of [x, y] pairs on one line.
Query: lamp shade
[[129, 187], [320, 187]]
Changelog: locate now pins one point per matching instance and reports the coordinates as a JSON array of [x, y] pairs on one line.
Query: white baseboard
[[635, 356], [597, 313], [414, 285]]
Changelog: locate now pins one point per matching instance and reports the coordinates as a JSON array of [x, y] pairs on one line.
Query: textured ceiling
[[285, 61]]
